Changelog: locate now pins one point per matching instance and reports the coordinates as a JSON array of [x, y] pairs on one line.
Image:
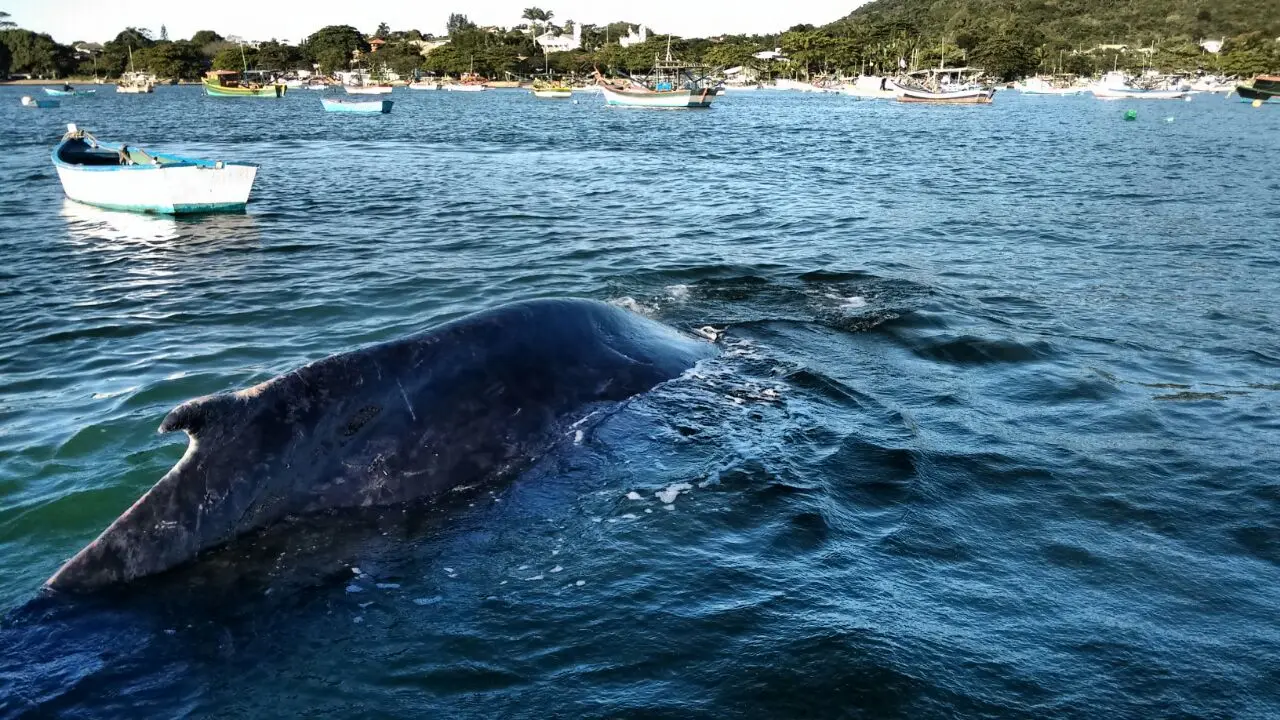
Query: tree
[[333, 47], [458, 23], [37, 54], [181, 60], [273, 55], [205, 37], [5, 60], [235, 57], [164, 34], [5, 22], [383, 31]]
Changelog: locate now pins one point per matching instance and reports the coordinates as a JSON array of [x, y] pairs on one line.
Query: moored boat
[[118, 177], [943, 86], [1115, 85], [367, 89], [869, 87], [28, 101], [135, 83], [424, 85], [228, 83], [1263, 87], [368, 107], [672, 85], [67, 91], [551, 91], [1057, 85]]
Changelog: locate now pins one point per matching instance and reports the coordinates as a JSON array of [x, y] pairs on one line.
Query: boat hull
[[1126, 94], [269, 91], [957, 97], [371, 90], [553, 94], [59, 93], [1249, 94], [37, 103], [424, 86], [177, 186], [865, 94], [365, 107], [670, 100], [465, 88]]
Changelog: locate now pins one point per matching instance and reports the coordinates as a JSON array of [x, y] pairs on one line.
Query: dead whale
[[407, 419]]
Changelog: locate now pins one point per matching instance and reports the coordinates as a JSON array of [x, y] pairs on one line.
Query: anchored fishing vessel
[[672, 85], [118, 177], [229, 83], [943, 86], [1115, 85], [367, 89], [369, 107], [551, 91], [67, 91], [1053, 85]]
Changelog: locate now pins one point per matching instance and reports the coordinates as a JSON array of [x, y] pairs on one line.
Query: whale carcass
[[387, 424]]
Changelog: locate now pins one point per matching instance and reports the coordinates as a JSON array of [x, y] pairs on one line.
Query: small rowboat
[[28, 101], [368, 89], [370, 107], [55, 92], [552, 91], [119, 177]]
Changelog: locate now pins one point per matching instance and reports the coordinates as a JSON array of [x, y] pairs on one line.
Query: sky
[[293, 20]]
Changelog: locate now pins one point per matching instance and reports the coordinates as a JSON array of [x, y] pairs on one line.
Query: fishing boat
[[118, 177], [424, 85], [28, 101], [548, 90], [943, 86], [229, 83], [368, 107], [1115, 85], [134, 82], [1263, 87], [672, 85], [316, 85]]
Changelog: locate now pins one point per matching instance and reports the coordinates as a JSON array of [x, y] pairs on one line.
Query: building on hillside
[[552, 43], [634, 38], [376, 44]]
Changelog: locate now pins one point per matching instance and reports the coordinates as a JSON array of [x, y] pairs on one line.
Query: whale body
[[470, 399]]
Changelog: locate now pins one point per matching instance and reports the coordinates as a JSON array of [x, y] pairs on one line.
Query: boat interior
[[79, 152]]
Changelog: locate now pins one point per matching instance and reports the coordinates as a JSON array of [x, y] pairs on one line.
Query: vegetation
[[1008, 38]]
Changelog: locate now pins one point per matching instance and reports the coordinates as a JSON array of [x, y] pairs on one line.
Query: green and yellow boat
[[228, 83]]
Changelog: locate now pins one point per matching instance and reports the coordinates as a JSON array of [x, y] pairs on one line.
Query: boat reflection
[[114, 230]]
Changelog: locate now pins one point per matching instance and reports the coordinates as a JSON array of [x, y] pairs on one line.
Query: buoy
[[1256, 103], [1130, 114], [1168, 119]]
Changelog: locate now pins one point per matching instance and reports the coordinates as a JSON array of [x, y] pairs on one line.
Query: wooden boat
[[369, 107], [28, 101], [118, 177], [229, 83], [943, 86], [367, 89], [672, 85], [552, 91], [1263, 87]]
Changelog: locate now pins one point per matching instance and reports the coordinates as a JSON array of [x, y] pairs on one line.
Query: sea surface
[[993, 431]]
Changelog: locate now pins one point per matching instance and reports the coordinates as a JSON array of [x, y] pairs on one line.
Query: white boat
[[672, 85], [118, 177], [367, 89], [787, 84], [1115, 86], [135, 83], [424, 85], [315, 86], [465, 87], [293, 84], [1041, 86], [869, 87]]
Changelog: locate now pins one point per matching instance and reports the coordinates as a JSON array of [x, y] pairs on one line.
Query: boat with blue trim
[[28, 101], [67, 91], [369, 107], [118, 177], [229, 83]]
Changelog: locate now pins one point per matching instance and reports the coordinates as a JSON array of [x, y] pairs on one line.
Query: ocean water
[[993, 431]]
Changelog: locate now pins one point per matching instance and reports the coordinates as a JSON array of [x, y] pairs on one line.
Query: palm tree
[[5, 22], [536, 16]]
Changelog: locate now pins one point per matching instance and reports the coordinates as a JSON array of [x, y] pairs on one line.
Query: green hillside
[[1013, 37]]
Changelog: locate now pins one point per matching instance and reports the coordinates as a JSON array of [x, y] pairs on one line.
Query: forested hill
[[1081, 23]]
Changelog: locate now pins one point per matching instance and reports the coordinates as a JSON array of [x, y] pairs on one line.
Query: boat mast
[[244, 61]]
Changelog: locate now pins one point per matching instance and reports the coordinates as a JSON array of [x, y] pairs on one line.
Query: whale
[[472, 399]]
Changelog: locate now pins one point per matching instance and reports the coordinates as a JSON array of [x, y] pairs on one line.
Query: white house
[[1212, 47], [633, 39], [552, 43]]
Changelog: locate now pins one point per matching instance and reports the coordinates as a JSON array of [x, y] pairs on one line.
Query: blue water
[[993, 432]]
